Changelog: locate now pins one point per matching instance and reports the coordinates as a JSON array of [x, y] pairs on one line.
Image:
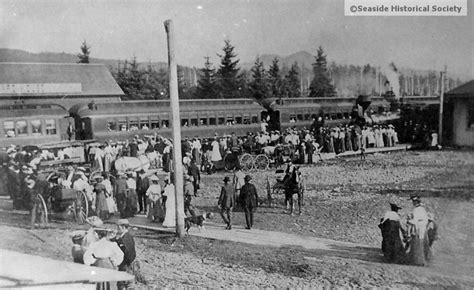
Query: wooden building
[[64, 84], [458, 116]]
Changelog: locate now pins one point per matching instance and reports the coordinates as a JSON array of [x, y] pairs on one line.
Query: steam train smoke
[[392, 75]]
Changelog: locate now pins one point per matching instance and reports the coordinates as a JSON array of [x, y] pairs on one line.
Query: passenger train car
[[33, 124], [28, 124], [203, 118]]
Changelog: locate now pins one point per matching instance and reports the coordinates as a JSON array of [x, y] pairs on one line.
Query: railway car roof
[[127, 107], [30, 110]]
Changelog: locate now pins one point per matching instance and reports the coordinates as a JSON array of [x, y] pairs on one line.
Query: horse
[[293, 183]]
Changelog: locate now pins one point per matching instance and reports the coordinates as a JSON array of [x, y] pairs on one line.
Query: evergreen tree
[[292, 82], [321, 84], [258, 84], [227, 74], [276, 89], [206, 88], [85, 52]]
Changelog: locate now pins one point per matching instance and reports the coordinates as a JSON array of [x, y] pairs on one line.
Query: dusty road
[[345, 200]]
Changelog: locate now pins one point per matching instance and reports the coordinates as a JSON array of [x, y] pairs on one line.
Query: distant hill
[[345, 77], [17, 55]]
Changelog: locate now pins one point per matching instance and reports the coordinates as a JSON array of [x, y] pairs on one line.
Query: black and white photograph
[[295, 144]]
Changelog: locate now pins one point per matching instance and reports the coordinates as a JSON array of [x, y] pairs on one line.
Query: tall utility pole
[[177, 159], [441, 105]]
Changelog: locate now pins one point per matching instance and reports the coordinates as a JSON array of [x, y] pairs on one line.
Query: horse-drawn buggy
[[289, 183], [51, 196]]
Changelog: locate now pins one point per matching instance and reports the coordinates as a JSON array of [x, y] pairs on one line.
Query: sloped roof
[[91, 79], [463, 91]]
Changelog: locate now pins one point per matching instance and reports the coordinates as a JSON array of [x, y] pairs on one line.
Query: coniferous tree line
[[228, 80]]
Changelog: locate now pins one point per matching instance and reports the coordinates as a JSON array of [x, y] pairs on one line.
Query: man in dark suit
[[126, 243], [142, 186], [227, 202], [249, 200], [193, 171]]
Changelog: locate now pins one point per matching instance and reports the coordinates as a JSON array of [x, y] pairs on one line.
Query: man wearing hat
[[126, 243], [188, 193], [392, 231], [227, 202], [142, 186], [249, 200]]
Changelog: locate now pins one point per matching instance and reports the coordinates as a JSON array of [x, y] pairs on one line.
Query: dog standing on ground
[[197, 220]]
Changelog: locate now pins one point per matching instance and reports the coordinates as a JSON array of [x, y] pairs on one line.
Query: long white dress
[[216, 153], [170, 216]]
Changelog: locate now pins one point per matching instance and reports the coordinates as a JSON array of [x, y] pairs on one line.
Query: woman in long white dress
[[216, 153], [170, 205]]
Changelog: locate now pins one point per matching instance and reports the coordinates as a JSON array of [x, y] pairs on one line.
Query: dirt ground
[[345, 199]]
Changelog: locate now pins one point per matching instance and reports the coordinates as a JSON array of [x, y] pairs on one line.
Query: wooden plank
[[25, 269]]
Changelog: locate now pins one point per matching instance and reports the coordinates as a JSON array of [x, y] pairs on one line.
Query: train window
[[314, 117], [122, 124], [333, 116], [144, 124], [221, 120], [111, 126], [307, 117], [203, 122], [339, 116], [212, 121], [299, 117], [9, 128], [165, 123], [254, 119], [327, 117], [35, 127], [184, 123], [50, 126], [155, 123], [238, 120], [346, 115], [230, 121], [194, 122], [292, 118], [133, 124], [246, 120]]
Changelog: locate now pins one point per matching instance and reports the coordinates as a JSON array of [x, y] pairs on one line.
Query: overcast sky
[[123, 29]]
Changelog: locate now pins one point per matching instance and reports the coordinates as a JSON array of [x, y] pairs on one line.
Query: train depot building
[[35, 98], [459, 116]]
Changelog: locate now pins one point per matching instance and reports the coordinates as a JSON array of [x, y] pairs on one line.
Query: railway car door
[[272, 118], [84, 129]]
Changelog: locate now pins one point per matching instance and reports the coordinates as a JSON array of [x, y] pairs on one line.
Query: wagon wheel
[[230, 161], [246, 162], [80, 207], [262, 162], [39, 211]]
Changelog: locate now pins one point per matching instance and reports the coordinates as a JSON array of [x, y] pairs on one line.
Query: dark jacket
[[127, 244], [194, 172], [248, 195], [227, 197], [142, 184]]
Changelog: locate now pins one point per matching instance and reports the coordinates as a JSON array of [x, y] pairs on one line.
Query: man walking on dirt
[[227, 202], [249, 200]]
